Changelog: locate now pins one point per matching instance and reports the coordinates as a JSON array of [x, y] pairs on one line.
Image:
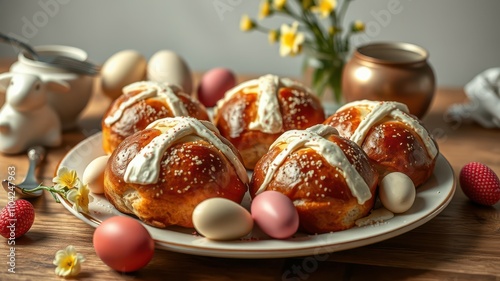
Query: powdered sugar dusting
[[376, 216]]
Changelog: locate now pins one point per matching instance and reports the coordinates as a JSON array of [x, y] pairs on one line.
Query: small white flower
[[68, 262]]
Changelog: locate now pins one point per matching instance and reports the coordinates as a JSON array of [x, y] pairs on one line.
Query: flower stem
[[52, 191], [342, 11]]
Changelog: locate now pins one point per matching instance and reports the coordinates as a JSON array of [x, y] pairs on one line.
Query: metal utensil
[[35, 155], [64, 62]]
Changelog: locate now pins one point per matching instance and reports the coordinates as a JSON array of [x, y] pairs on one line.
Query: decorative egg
[[222, 219], [93, 175], [214, 84], [397, 192], [168, 67], [123, 243], [120, 70], [275, 214]]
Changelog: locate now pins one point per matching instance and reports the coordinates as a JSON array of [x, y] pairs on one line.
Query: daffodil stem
[[55, 197], [342, 11], [52, 191], [262, 28]]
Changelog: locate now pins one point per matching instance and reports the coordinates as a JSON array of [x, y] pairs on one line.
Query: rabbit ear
[[58, 86], [5, 79]]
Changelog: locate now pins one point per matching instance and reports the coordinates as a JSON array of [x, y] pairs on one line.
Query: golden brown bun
[[299, 109], [393, 145], [318, 189], [144, 111], [192, 169]]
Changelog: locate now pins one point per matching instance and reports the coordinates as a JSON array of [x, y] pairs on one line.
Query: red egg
[[275, 214], [123, 243], [214, 84]]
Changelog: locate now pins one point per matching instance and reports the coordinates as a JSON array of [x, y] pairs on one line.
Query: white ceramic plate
[[431, 199]]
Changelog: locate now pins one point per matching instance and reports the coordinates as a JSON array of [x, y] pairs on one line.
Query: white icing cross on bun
[[316, 138], [144, 167], [149, 89], [379, 110], [268, 118]]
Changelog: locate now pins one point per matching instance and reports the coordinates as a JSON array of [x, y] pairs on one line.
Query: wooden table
[[461, 243]]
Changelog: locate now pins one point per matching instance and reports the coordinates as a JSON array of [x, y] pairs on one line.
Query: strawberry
[[480, 184], [16, 218]]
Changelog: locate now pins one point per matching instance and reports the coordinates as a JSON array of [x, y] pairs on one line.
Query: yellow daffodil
[[324, 7], [68, 262], [264, 9], [321, 31], [80, 198], [272, 36], [246, 24], [290, 40], [358, 26], [279, 4], [65, 178]]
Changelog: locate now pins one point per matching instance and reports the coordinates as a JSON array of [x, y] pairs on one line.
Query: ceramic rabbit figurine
[[26, 118]]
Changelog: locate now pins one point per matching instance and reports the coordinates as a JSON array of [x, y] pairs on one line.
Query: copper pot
[[390, 71]]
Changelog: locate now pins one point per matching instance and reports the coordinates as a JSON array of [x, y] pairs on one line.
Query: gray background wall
[[461, 36]]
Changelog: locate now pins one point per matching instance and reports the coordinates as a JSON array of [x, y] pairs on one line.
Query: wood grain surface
[[461, 243]]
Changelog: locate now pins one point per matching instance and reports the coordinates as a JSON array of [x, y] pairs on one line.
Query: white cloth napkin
[[483, 92]]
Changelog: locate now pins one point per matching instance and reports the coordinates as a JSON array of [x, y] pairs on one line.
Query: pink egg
[[275, 214], [123, 243], [214, 84]]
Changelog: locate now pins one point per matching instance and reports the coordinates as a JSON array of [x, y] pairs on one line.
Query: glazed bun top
[[144, 167], [255, 113], [319, 139], [371, 113], [140, 104], [393, 139], [146, 90], [269, 115]]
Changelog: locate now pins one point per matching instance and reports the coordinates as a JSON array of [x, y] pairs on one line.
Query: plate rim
[[213, 251]]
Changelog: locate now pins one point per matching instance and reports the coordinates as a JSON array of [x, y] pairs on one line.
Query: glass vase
[[323, 73]]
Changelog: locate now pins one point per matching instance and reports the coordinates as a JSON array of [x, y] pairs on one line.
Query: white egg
[[167, 66], [120, 70], [94, 174], [222, 219], [397, 192]]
